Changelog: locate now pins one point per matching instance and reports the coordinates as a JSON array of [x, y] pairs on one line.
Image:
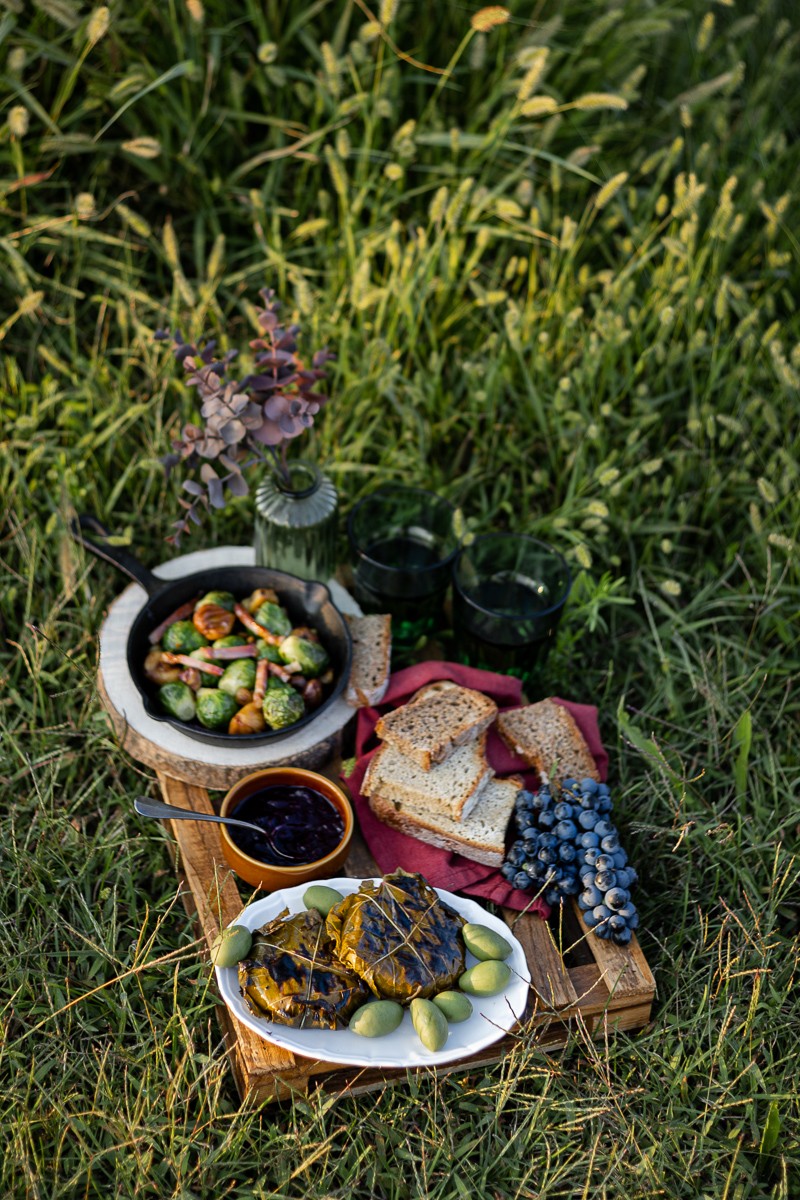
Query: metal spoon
[[157, 808]]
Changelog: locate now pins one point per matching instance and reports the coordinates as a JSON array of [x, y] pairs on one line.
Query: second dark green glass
[[403, 542]]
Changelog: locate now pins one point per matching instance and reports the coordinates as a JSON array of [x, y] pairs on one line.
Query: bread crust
[[370, 669], [467, 840], [437, 719], [400, 778], [546, 736]]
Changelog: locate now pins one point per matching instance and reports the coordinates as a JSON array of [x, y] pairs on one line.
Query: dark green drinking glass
[[509, 591], [403, 542]]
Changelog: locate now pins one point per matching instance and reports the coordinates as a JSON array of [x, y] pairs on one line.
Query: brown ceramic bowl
[[266, 875]]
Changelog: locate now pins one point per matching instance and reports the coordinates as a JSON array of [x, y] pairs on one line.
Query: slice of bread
[[437, 720], [372, 658], [448, 789], [480, 836], [546, 736]]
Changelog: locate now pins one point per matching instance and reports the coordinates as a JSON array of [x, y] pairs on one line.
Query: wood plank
[[217, 903], [549, 977], [623, 968]]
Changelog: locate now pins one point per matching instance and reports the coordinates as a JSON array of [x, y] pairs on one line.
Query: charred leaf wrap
[[399, 937], [293, 977]]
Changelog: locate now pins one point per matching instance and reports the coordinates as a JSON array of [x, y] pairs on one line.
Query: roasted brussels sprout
[[239, 666], [183, 638], [268, 651], [273, 618], [311, 657], [223, 599], [177, 699], [215, 708], [241, 673], [282, 705]]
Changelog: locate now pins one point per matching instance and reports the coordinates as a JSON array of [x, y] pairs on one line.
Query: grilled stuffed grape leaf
[[291, 975], [399, 937]]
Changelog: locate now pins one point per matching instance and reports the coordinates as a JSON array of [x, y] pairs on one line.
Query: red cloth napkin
[[442, 868]]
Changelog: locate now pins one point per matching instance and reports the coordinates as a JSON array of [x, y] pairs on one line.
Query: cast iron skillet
[[307, 603]]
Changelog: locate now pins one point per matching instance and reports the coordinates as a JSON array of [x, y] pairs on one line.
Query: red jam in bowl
[[300, 825]]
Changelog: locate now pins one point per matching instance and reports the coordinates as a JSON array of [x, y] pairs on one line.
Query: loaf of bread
[[372, 657], [480, 836], [436, 721], [449, 789], [546, 736]]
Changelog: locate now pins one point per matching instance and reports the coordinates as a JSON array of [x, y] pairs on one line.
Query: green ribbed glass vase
[[296, 524]]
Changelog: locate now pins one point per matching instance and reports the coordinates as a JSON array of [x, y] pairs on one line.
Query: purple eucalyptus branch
[[243, 420]]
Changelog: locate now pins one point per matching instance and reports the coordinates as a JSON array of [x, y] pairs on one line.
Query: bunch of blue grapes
[[570, 847]]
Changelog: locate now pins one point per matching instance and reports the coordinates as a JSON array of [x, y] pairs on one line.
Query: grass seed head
[[595, 100], [537, 65], [486, 19], [98, 24], [18, 121], [538, 106], [610, 189], [142, 147]]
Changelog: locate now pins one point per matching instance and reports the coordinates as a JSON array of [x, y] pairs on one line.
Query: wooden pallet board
[[579, 982]]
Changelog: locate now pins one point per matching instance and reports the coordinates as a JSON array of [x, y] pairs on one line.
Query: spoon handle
[[157, 808]]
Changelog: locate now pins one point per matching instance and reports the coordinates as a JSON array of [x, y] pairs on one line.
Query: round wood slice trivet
[[159, 745]]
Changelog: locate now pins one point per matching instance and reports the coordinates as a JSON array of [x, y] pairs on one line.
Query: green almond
[[455, 1006], [485, 943], [430, 1024], [376, 1019], [485, 978], [231, 945], [321, 898]]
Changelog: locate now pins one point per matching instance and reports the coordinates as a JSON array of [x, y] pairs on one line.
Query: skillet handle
[[116, 555]]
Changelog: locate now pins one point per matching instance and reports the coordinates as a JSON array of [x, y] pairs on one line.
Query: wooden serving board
[[579, 982]]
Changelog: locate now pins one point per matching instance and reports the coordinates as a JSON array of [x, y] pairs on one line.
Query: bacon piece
[[180, 614], [227, 652], [280, 672], [252, 624], [191, 676], [198, 664], [262, 677]]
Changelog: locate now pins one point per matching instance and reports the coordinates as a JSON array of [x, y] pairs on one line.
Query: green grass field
[[558, 263]]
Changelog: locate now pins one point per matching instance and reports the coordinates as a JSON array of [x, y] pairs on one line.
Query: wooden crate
[[578, 982]]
